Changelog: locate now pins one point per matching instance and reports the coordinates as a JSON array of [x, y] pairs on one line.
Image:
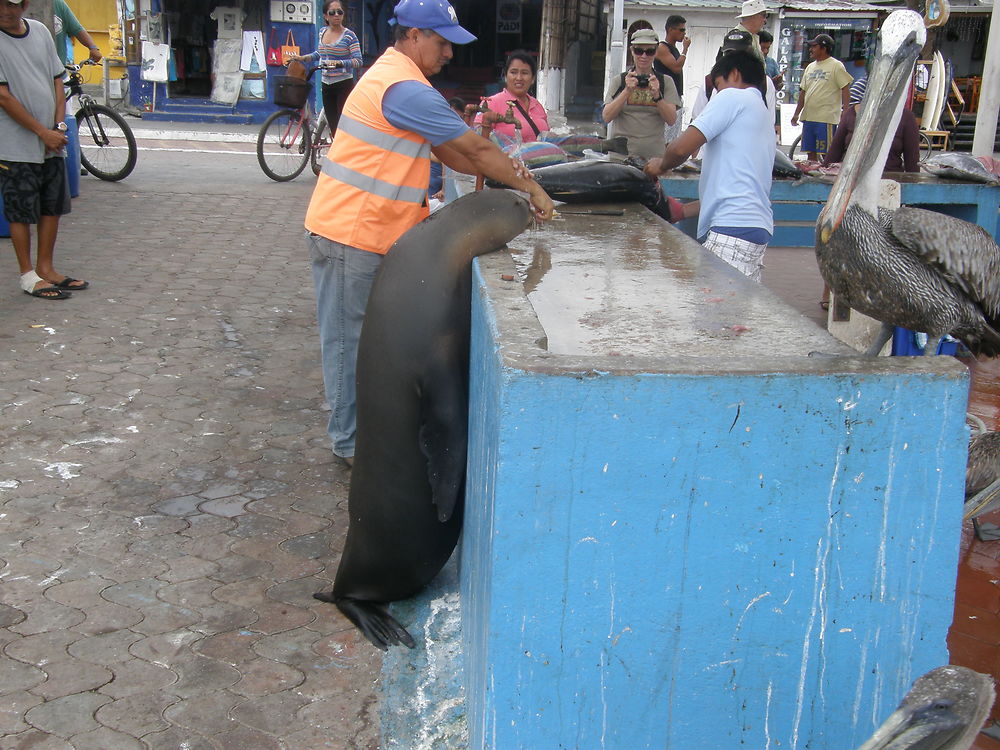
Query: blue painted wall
[[706, 557]]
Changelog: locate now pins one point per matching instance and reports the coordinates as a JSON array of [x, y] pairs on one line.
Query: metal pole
[[615, 63], [989, 98]]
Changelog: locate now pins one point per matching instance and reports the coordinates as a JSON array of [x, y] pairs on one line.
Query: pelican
[[944, 710], [913, 268], [982, 479]]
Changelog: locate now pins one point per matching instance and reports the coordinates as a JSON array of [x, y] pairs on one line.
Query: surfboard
[[945, 87], [930, 116]]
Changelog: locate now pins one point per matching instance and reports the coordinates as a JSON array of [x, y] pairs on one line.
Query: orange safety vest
[[373, 186]]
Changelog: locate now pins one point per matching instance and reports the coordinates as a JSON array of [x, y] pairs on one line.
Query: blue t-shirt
[[737, 160], [413, 106]]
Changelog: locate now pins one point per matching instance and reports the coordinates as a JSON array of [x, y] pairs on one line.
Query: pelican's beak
[[899, 44], [931, 726]]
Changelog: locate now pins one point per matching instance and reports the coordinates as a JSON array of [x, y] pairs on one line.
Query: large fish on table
[[956, 166], [597, 181]]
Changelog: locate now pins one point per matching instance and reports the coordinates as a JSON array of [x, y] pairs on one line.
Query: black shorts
[[31, 191]]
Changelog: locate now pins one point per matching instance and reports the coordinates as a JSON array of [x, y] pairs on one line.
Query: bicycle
[[291, 137], [107, 144], [925, 147]]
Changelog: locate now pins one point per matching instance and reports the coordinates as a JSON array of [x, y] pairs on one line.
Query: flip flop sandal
[[68, 283], [30, 279]]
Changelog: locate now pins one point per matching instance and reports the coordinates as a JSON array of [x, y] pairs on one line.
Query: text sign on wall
[[508, 17]]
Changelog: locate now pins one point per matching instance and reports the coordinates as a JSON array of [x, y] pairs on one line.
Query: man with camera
[[643, 101]]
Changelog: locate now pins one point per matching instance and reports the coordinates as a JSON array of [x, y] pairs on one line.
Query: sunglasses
[[335, 12], [648, 51]]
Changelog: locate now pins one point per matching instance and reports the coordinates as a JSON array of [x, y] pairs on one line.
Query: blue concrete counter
[[798, 202], [680, 531]]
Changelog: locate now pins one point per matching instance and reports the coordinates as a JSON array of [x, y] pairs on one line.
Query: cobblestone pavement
[[168, 500]]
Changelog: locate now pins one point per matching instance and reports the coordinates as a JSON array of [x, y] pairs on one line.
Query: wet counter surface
[[633, 285]]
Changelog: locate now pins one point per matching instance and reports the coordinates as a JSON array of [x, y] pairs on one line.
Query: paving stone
[[244, 737], [69, 677], [165, 618], [35, 740], [207, 713], [235, 567], [313, 546], [227, 507], [185, 505], [16, 677], [137, 714], [199, 674], [165, 648], [77, 593], [105, 739], [234, 647], [137, 676], [46, 616], [175, 739], [105, 648], [217, 490], [66, 716], [107, 617], [42, 648], [136, 594], [203, 524], [221, 618], [188, 568], [12, 708], [273, 714], [265, 677]]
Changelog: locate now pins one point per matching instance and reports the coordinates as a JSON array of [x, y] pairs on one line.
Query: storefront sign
[[508, 17]]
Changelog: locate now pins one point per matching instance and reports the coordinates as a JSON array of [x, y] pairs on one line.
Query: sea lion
[[406, 499]]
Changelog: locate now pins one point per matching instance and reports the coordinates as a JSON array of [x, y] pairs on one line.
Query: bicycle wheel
[[926, 149], [321, 144], [283, 145], [107, 146]]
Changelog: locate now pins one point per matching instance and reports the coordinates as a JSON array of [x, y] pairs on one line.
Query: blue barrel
[[73, 156]]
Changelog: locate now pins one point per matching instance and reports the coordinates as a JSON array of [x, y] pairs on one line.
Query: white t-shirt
[[736, 161]]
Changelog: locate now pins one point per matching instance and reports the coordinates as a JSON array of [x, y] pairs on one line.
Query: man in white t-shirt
[[735, 221]]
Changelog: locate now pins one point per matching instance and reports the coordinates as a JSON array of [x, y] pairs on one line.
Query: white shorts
[[746, 257]]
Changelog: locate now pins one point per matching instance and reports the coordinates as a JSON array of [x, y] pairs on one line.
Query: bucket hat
[[752, 8]]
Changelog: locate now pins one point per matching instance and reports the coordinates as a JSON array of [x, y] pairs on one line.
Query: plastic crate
[[904, 344], [290, 92]]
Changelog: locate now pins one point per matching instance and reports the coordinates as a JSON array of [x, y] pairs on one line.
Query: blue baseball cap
[[436, 15]]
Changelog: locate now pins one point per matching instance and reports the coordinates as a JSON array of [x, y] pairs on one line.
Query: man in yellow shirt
[[824, 91]]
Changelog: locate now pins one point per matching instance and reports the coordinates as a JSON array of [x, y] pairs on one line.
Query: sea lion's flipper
[[373, 620], [444, 441]]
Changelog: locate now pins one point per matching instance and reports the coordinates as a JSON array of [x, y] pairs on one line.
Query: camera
[[642, 80]]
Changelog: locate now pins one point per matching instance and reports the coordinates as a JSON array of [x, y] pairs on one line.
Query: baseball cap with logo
[[737, 41], [823, 40], [435, 15]]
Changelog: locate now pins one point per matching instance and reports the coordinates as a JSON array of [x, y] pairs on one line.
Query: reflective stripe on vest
[[373, 184]]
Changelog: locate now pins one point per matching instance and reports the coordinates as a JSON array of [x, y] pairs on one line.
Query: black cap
[[737, 41], [823, 40]]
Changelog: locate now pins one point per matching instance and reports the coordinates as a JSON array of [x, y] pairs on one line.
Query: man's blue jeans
[[343, 277]]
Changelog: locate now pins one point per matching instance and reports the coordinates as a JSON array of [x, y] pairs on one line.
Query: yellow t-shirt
[[821, 86]]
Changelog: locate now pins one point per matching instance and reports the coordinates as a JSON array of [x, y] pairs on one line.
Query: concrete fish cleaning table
[[681, 532]]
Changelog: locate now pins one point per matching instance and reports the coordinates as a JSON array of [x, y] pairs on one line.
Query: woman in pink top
[[519, 76]]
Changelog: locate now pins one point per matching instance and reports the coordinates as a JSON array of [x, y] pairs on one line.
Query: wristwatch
[[61, 127]]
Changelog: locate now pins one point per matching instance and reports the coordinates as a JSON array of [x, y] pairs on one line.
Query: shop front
[[198, 60]]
